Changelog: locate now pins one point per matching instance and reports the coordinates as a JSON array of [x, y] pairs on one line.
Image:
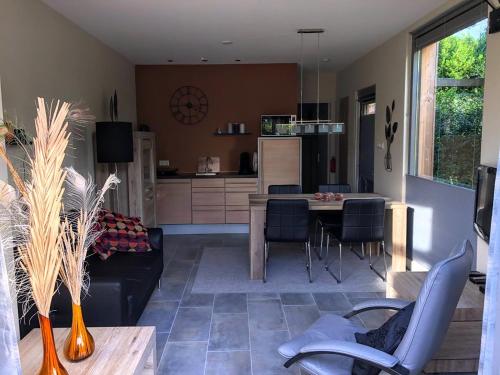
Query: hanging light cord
[[317, 94], [301, 73]]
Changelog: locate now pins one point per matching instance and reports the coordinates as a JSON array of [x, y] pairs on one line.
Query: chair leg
[[338, 279], [322, 234], [362, 255], [159, 283], [384, 278], [309, 261], [340, 262], [315, 248], [327, 250], [264, 271]]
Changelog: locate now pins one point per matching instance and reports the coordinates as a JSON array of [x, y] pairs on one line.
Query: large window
[[449, 65]]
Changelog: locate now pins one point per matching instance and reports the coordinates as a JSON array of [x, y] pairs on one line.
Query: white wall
[[43, 54]]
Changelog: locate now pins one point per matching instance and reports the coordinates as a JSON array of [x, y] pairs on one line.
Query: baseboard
[[204, 228]]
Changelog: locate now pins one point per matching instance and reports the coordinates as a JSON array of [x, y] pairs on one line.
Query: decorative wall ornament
[[390, 131], [189, 105]]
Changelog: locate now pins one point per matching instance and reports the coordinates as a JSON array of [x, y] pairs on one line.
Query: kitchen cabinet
[[280, 162], [204, 200], [173, 201]]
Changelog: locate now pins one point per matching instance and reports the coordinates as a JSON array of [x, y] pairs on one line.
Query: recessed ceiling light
[[170, 61], [226, 42], [204, 59], [237, 60], [325, 59]]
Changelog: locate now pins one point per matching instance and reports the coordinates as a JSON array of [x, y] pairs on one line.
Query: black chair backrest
[[284, 189], [287, 220], [335, 188], [363, 220]]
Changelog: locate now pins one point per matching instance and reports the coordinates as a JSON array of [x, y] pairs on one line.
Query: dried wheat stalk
[[39, 255]]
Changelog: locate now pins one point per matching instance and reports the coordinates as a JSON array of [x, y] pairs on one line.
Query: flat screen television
[[485, 190], [114, 142]]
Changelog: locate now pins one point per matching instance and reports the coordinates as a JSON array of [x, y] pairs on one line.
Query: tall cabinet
[[280, 162], [142, 179]]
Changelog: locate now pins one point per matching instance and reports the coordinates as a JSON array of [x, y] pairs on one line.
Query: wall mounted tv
[[485, 190], [114, 142]]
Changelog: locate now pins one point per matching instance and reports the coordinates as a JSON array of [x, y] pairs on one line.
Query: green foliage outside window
[[459, 110]]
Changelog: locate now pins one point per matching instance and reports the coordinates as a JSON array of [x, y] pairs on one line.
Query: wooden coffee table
[[460, 349], [118, 350]]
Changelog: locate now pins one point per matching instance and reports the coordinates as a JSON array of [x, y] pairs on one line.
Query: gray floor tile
[[161, 340], [168, 291], [186, 358], [262, 296], [357, 297], [332, 302], [228, 363], [190, 254], [299, 318], [197, 300], [159, 314], [265, 357], [230, 303], [266, 315], [229, 332], [297, 299], [191, 324], [178, 271]]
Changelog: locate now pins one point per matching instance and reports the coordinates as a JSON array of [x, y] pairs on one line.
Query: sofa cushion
[[120, 233]]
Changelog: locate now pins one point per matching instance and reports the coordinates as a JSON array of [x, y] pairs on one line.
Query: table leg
[[399, 238], [256, 245]]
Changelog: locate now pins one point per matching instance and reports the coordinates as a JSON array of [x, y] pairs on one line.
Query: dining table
[[395, 221]]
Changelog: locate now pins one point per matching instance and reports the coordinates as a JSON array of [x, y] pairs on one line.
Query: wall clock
[[189, 105]]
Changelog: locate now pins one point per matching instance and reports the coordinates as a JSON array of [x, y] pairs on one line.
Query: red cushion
[[120, 233]]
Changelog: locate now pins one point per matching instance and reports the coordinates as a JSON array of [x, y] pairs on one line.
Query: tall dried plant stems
[[40, 255], [18, 181], [79, 230]]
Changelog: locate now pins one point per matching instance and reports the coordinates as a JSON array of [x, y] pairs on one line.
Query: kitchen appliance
[[245, 164]]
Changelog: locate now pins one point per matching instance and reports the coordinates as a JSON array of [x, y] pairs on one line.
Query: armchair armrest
[[156, 238], [378, 304], [367, 354]]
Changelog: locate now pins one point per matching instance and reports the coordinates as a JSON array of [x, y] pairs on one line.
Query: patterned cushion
[[120, 233]]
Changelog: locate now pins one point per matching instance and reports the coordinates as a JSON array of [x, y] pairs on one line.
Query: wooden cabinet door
[[279, 162], [173, 202]]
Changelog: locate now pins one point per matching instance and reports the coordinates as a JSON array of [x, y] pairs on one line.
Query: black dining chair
[[287, 220], [328, 218], [284, 189], [362, 222]]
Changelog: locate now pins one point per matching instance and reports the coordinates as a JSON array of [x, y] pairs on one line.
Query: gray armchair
[[329, 345]]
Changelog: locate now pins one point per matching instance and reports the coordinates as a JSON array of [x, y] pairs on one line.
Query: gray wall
[[443, 217]]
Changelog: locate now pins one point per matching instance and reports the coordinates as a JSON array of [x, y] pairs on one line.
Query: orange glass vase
[[79, 344], [51, 364]]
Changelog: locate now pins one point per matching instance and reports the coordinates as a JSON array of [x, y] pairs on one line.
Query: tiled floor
[[237, 333]]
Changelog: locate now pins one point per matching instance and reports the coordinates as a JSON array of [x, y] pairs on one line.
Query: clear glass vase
[[79, 344], [51, 364]]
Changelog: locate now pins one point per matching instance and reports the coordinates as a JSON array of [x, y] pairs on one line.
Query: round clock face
[[189, 105]]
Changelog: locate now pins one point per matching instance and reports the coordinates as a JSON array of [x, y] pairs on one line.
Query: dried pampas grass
[[78, 231], [39, 252]]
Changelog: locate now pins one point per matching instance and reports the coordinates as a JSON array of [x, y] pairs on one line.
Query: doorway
[[367, 110]]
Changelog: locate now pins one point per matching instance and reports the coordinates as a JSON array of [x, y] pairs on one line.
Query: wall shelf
[[228, 134]]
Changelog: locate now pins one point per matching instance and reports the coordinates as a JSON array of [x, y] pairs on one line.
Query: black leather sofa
[[120, 288]]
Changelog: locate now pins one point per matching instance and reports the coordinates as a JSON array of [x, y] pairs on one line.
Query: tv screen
[[485, 189], [114, 142]]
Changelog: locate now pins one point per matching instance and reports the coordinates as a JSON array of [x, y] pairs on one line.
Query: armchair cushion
[[386, 338]]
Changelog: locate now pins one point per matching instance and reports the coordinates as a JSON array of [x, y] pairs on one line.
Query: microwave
[[277, 125]]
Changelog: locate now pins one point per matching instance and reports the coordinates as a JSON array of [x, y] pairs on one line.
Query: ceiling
[[261, 31]]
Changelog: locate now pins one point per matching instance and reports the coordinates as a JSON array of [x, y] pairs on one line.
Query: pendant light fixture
[[318, 125]]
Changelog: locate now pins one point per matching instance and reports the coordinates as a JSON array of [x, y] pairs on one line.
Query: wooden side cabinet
[[173, 201], [237, 204]]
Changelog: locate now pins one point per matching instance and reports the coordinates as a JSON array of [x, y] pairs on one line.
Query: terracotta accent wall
[[236, 93]]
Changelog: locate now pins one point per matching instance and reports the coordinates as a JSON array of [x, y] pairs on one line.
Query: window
[[449, 65]]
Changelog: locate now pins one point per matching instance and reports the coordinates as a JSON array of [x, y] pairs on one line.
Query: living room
[[210, 114]]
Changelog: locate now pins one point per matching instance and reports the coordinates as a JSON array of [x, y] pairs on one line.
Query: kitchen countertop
[[218, 175]]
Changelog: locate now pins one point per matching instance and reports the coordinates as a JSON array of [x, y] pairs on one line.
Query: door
[[314, 162], [366, 153]]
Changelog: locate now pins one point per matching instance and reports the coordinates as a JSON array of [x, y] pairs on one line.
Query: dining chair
[[328, 218], [287, 220], [329, 346], [362, 222], [284, 189]]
